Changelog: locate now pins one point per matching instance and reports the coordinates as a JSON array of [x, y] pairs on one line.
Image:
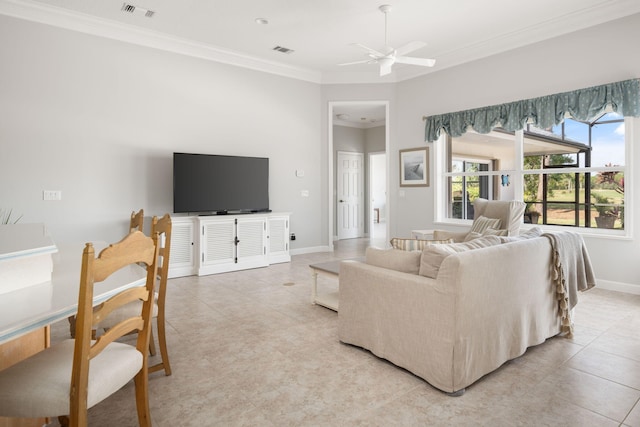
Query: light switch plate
[[51, 195]]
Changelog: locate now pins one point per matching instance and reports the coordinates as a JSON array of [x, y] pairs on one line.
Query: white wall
[[586, 58], [99, 120]]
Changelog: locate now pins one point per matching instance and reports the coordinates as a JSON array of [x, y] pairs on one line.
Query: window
[[569, 175], [464, 189]]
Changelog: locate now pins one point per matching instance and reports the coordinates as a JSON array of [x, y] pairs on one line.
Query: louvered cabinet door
[[278, 239], [252, 246], [217, 242], [182, 261]]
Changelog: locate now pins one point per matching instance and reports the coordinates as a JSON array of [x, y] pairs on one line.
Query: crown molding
[[600, 13], [80, 22]]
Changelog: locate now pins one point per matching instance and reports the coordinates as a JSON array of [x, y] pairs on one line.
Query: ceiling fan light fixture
[[385, 62]]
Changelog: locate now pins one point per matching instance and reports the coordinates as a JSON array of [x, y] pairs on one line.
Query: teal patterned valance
[[544, 112]]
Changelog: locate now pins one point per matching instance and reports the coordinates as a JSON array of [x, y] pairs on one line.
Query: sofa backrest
[[394, 259]]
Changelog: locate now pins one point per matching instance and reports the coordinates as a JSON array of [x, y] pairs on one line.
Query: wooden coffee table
[[330, 300]]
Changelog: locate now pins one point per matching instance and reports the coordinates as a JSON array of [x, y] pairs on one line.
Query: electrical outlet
[[293, 236]]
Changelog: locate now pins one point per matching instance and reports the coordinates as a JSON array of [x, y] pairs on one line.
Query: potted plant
[[607, 213], [5, 217]]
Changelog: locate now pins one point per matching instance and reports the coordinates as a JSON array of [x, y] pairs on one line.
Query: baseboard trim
[[311, 250], [610, 285]]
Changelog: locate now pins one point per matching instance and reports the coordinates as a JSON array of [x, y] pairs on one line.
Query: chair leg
[[72, 326], [152, 344], [162, 342], [141, 382]]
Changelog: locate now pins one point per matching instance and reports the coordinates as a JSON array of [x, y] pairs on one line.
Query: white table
[[25, 314], [329, 299], [34, 307], [422, 234]]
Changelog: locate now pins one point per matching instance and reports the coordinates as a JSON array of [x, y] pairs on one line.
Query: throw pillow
[[415, 244], [488, 232], [394, 259], [433, 256], [472, 235], [481, 223], [494, 232]]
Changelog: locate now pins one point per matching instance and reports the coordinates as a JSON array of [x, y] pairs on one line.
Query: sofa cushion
[[394, 259], [433, 256], [456, 236], [415, 244], [488, 232], [495, 232]]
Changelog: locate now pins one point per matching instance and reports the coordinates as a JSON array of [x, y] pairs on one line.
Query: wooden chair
[[137, 221], [135, 224], [72, 376], [161, 227]]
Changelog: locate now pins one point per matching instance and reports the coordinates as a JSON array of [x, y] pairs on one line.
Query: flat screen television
[[207, 183]]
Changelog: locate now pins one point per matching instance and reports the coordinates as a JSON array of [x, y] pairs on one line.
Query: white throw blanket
[[571, 272]]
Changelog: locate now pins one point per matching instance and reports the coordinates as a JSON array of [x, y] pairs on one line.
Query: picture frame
[[414, 167]]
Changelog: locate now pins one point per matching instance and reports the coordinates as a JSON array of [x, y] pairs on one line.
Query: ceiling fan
[[391, 56]]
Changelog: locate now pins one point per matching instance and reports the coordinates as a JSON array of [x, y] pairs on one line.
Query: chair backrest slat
[[137, 221]]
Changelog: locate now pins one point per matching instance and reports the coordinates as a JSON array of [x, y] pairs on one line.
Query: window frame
[[442, 174]]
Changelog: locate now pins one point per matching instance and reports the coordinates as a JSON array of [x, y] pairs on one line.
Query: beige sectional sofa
[[482, 307]]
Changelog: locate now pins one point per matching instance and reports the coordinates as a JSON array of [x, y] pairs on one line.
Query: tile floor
[[248, 349]]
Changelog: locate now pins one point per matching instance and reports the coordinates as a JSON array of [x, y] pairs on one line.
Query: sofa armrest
[[405, 318], [505, 302]]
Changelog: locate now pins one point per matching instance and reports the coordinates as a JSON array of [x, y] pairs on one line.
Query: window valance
[[583, 104]]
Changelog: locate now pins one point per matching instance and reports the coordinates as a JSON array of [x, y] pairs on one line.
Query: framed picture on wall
[[414, 167]]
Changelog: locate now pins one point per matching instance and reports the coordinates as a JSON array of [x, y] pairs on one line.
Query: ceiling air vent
[[284, 50], [129, 8]]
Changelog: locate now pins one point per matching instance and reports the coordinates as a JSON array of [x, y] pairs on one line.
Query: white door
[[350, 197]]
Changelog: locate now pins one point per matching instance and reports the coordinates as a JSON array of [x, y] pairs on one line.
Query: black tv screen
[[220, 184]]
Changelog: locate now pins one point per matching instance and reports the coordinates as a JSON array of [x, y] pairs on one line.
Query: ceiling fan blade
[[368, 49], [409, 47], [425, 62], [366, 61]]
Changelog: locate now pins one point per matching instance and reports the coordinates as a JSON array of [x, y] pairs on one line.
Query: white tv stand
[[203, 245]]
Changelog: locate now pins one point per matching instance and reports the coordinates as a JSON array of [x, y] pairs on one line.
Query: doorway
[[371, 118], [378, 198], [350, 195]]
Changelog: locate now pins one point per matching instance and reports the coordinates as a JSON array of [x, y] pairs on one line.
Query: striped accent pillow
[[481, 224], [415, 244]]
